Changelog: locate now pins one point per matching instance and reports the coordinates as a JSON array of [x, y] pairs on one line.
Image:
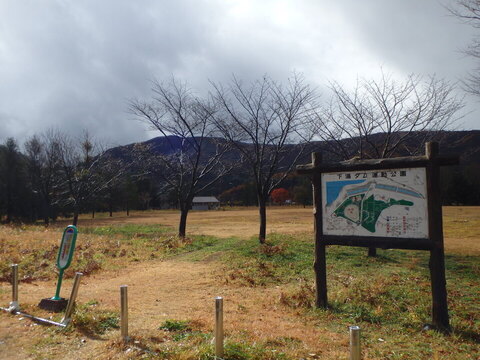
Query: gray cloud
[[74, 65]]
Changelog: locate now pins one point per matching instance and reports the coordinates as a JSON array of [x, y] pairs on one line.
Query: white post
[[71, 301], [218, 327], [355, 351], [14, 307], [124, 312]]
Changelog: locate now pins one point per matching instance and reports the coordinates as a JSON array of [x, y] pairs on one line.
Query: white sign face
[[65, 248], [386, 203]]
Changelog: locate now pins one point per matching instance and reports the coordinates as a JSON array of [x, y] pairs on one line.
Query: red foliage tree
[[280, 195]]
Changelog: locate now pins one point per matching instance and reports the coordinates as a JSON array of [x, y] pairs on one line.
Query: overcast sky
[[74, 65]]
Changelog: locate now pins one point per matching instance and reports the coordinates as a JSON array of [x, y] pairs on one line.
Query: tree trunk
[[128, 210], [262, 209], [110, 206], [9, 209], [183, 223], [75, 217], [93, 214], [372, 252], [46, 212]]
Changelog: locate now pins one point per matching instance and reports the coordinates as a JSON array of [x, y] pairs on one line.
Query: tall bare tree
[[386, 117], [381, 117], [469, 12], [192, 161], [43, 156], [12, 181], [82, 162], [265, 122]]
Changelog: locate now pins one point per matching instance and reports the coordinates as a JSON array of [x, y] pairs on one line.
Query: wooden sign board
[[385, 203]]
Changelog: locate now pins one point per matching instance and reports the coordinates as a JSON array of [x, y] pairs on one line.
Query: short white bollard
[[218, 327], [124, 312], [355, 351], [13, 306]]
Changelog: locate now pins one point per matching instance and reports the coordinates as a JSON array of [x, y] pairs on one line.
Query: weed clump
[[271, 250], [92, 321], [175, 325], [253, 273], [302, 297]]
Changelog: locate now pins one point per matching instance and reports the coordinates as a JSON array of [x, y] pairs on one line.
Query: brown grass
[[461, 227], [461, 224], [178, 289], [239, 222]]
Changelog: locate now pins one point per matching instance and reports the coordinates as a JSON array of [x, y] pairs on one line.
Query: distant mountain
[[161, 145], [460, 184], [464, 143]]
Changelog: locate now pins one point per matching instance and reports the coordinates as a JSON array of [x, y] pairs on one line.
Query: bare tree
[[265, 122], [381, 117], [469, 12], [82, 163], [385, 118], [191, 161], [43, 155], [12, 176]]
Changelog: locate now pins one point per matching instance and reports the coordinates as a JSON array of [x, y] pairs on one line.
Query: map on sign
[[386, 203]]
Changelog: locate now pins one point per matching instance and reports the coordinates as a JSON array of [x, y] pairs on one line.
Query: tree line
[[256, 132], [55, 175]]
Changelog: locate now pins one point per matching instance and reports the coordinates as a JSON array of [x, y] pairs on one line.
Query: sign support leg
[[320, 276], [440, 317], [59, 285], [320, 264]]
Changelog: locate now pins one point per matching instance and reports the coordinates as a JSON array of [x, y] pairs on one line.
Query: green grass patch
[[128, 231], [89, 319], [175, 325], [186, 339]]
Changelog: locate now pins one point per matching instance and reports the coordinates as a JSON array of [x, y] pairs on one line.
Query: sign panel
[[385, 203], [67, 247]]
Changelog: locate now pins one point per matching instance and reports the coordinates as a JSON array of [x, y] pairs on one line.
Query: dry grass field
[[267, 290], [461, 224]]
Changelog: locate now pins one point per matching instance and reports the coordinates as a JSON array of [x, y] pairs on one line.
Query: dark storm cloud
[[417, 36], [74, 65]]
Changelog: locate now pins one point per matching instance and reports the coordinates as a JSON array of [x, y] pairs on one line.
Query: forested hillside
[[41, 182]]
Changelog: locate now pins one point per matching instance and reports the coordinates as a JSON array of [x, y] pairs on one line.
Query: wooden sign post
[[383, 203]]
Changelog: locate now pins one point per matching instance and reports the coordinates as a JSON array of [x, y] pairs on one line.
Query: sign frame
[[65, 255], [431, 161], [354, 202], [63, 244]]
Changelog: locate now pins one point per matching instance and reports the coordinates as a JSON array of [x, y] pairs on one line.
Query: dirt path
[[173, 289]]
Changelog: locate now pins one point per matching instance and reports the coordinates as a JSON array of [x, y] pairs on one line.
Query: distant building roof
[[205, 199]]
